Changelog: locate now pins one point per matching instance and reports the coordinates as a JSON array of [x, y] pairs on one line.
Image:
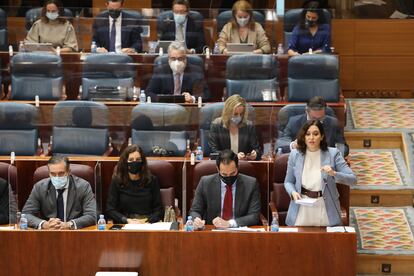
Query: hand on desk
[[136, 221], [250, 156], [101, 50], [199, 223], [187, 96], [221, 223], [52, 224], [128, 50]]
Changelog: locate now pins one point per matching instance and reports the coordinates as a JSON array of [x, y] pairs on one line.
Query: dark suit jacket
[[80, 205], [194, 34], [334, 134], [162, 82], [4, 201], [207, 200], [219, 137], [130, 32]]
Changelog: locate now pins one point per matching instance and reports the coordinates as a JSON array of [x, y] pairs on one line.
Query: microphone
[[97, 183], [325, 180]]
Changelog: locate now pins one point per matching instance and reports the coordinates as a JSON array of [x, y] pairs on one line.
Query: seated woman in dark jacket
[[233, 131], [134, 195]]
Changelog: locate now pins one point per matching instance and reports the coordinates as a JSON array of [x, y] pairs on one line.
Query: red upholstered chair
[[279, 199], [209, 167]]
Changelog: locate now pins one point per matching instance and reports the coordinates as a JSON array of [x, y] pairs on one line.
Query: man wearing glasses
[[178, 77], [62, 201]]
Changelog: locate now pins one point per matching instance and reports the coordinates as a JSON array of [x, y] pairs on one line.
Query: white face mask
[[179, 18], [177, 66], [52, 15], [242, 21], [59, 181], [236, 120]]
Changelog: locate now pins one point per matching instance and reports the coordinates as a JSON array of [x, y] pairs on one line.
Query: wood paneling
[[372, 264]]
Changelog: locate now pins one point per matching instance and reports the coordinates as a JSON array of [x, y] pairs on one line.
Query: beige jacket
[[257, 37], [59, 34]]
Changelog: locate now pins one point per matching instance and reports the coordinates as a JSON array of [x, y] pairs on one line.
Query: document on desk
[[241, 229], [306, 201], [340, 229], [159, 226], [6, 228]]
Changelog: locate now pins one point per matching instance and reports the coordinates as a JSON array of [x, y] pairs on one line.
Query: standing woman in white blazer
[[313, 171]]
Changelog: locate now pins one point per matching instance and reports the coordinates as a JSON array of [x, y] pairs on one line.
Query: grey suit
[[80, 205], [293, 182], [334, 134], [207, 200]]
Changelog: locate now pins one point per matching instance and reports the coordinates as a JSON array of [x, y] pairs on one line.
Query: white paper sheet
[[159, 226], [288, 229], [241, 229], [340, 229]]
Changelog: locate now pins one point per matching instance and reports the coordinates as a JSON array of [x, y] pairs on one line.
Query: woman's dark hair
[[302, 134], [121, 174], [61, 11], [312, 6]]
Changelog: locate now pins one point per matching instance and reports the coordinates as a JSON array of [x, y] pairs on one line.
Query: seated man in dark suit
[[116, 31], [4, 201], [62, 201], [227, 198], [178, 77], [315, 110], [183, 28]]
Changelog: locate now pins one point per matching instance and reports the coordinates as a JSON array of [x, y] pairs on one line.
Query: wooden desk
[[309, 252]]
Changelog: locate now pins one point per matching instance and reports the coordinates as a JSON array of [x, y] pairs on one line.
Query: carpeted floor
[[384, 230]]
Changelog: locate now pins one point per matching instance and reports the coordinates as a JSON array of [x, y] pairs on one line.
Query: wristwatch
[[71, 225]]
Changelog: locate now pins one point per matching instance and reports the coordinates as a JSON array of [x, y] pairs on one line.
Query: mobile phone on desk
[[116, 227]]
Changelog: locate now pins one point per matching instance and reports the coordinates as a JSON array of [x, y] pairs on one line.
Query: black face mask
[[134, 167], [229, 180], [310, 23], [114, 13]]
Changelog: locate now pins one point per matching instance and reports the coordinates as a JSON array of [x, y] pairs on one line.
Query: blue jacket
[[293, 182]]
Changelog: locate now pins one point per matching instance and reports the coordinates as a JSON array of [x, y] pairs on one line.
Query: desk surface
[[309, 252]]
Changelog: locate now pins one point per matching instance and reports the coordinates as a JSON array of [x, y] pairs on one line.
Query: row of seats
[[82, 127], [308, 75]]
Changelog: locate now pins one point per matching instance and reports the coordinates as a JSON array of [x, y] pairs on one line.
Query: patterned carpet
[[377, 114], [384, 230], [380, 169]]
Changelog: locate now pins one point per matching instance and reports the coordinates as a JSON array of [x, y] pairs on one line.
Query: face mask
[[236, 119], [177, 66], [242, 21], [52, 15], [310, 23], [59, 181], [134, 167], [179, 18], [229, 180], [114, 13]]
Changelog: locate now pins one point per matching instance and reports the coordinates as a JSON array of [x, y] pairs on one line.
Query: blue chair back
[[36, 74], [4, 43], [80, 128], [313, 75], [224, 17], [249, 75], [160, 125], [107, 70], [18, 128], [34, 14]]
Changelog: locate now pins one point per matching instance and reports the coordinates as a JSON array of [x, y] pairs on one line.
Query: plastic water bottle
[[199, 153], [94, 48], [101, 223], [21, 47], [142, 97], [280, 50], [23, 222], [18, 217], [274, 227], [192, 159], [189, 225], [279, 152], [216, 49]]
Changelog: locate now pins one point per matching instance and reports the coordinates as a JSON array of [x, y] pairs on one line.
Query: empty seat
[[4, 44]]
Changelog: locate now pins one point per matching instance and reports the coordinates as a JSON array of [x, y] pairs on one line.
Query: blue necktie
[[112, 36], [59, 204]]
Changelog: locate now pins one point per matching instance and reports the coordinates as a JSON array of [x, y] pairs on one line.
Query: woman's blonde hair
[[244, 6], [230, 105]]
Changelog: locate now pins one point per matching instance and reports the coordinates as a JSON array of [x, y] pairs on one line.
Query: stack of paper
[[241, 229], [340, 229], [159, 226], [306, 201]]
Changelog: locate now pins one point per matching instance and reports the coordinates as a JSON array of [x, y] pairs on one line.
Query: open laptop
[[240, 48], [164, 45], [38, 47], [169, 98]]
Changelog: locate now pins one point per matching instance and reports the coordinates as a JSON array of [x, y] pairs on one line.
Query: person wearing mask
[[233, 131], [62, 201], [228, 198], [310, 33], [183, 28], [53, 28], [312, 172], [134, 195], [178, 77], [116, 31], [243, 29]]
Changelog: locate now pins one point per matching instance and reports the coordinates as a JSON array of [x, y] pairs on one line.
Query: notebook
[[239, 48]]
